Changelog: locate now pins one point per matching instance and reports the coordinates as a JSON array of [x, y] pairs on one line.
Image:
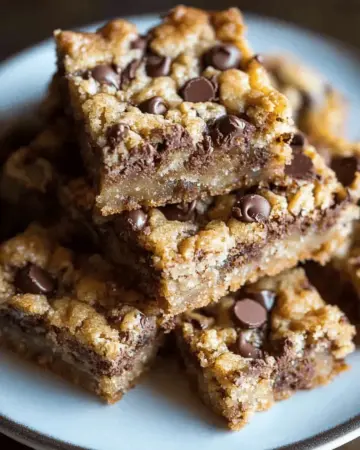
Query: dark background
[[26, 22]]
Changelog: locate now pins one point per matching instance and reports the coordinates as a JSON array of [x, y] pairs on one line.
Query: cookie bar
[[188, 255], [185, 112], [28, 177], [70, 313], [320, 111], [348, 262], [263, 344], [336, 288]]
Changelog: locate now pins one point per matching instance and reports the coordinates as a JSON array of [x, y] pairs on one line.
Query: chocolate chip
[[345, 169], [137, 219], [128, 74], [198, 89], [117, 132], [214, 81], [245, 349], [105, 74], [181, 212], [34, 280], [154, 105], [301, 166], [250, 313], [157, 66], [264, 297], [251, 208], [230, 125], [223, 57], [298, 140], [140, 43], [226, 130]]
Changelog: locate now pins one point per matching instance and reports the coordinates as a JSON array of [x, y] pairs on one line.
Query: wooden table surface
[[26, 22]]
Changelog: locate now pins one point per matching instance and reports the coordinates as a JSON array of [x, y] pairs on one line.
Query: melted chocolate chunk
[[181, 212], [251, 208], [116, 133], [129, 73], [223, 57], [298, 140], [301, 166], [172, 138], [140, 43], [227, 129], [137, 219], [198, 89], [249, 313], [157, 66], [245, 348], [34, 280], [105, 74], [345, 169], [264, 297], [154, 105]]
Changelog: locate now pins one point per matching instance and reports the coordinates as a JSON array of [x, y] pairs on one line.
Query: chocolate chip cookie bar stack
[[199, 181], [195, 186]]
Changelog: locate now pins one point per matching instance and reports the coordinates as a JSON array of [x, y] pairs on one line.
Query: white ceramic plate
[[43, 411]]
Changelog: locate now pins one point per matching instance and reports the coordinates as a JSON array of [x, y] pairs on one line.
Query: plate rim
[[325, 440]]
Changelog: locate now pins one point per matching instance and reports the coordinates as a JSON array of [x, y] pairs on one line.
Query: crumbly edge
[[111, 388], [310, 340], [211, 385], [326, 241], [195, 288], [170, 253], [320, 110], [90, 312], [217, 173]]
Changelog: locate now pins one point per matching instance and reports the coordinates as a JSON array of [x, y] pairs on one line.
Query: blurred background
[[23, 23]]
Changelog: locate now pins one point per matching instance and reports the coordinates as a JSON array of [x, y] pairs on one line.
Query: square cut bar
[[320, 111], [263, 344], [186, 111], [347, 260], [71, 314], [187, 256], [28, 176]]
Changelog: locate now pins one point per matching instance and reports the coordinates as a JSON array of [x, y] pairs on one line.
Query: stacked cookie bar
[[174, 194], [321, 113]]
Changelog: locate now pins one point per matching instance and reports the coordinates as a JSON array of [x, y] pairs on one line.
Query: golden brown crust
[[89, 305], [303, 345], [183, 36]]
